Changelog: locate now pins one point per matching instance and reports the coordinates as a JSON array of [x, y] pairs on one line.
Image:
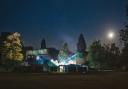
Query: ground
[[99, 80]]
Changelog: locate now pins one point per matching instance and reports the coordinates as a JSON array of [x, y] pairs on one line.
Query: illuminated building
[[61, 61], [41, 57]]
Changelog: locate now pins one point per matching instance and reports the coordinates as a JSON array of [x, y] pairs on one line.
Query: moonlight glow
[[110, 35]]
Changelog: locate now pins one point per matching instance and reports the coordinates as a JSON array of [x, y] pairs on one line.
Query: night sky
[[60, 21]]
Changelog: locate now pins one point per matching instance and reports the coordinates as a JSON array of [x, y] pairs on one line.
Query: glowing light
[[64, 61], [110, 35], [67, 61], [61, 68], [55, 62], [38, 58], [37, 52]]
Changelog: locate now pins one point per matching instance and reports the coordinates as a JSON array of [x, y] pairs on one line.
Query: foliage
[[95, 54], [103, 56], [11, 48], [64, 52], [43, 44], [124, 35], [112, 53], [124, 41], [81, 45]]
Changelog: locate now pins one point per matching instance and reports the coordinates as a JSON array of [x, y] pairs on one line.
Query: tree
[[81, 50], [11, 47], [0, 51], [124, 35], [43, 44], [103, 56], [64, 52], [124, 32], [124, 40], [96, 55], [112, 54], [81, 45]]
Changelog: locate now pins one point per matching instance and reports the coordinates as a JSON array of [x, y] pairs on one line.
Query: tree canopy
[[11, 47], [81, 45]]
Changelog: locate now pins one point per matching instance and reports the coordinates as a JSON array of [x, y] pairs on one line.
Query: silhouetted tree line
[[109, 56], [104, 56], [124, 41]]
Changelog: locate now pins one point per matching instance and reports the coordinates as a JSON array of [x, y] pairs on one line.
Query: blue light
[[38, 58]]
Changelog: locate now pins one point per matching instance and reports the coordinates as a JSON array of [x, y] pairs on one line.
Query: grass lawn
[[100, 80]]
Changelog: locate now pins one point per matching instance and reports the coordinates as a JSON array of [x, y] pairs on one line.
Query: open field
[[101, 80]]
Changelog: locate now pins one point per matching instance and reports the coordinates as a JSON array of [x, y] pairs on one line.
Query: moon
[[110, 35]]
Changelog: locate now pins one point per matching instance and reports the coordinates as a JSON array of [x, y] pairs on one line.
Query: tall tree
[[64, 52], [124, 35], [124, 40], [124, 32], [11, 47], [81, 45], [96, 55], [112, 54], [0, 50], [43, 44], [81, 50]]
